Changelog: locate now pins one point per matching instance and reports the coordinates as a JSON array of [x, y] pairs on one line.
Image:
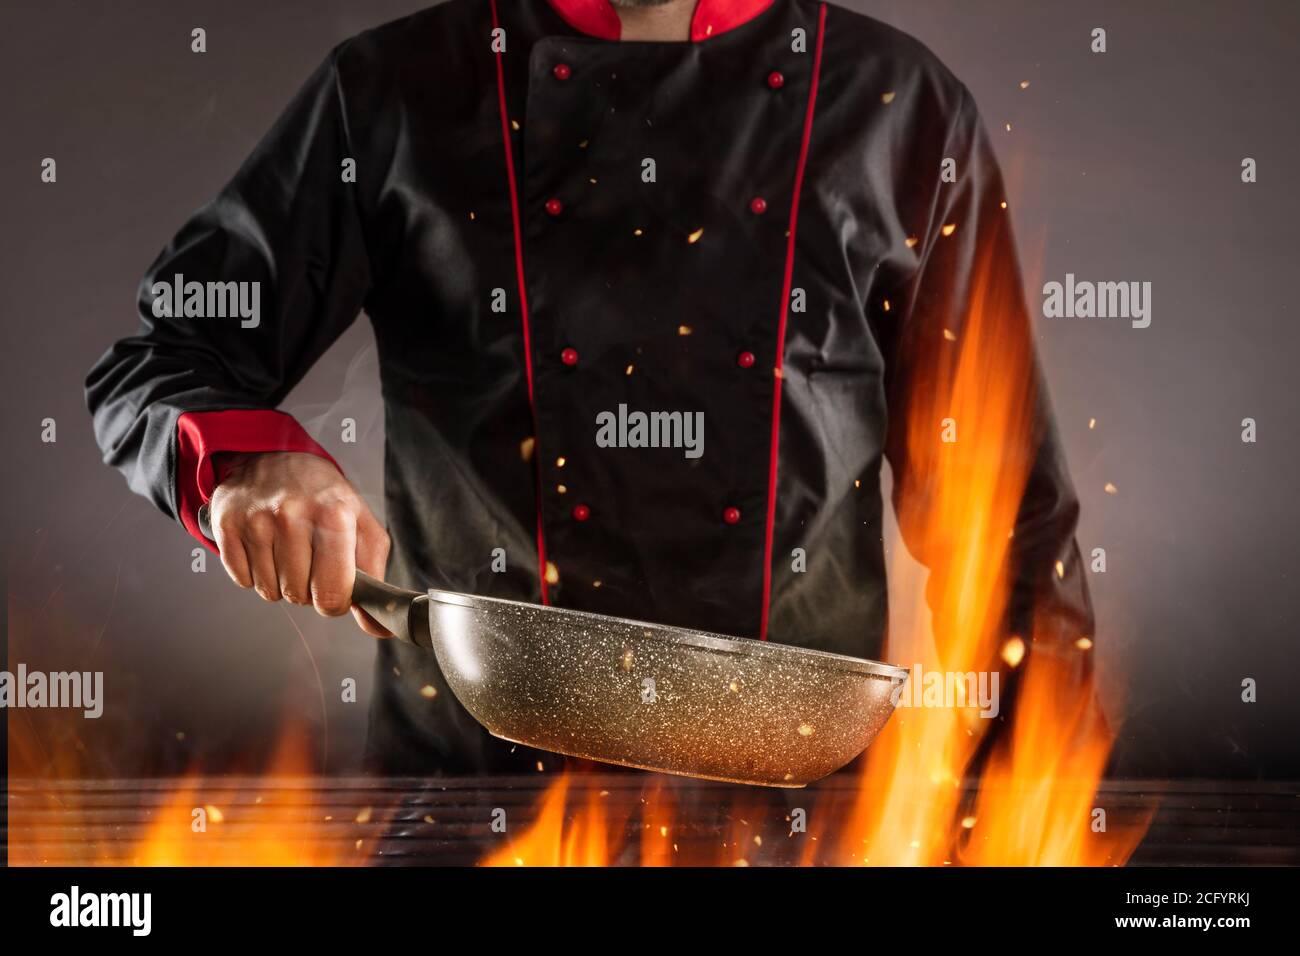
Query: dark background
[[1122, 166]]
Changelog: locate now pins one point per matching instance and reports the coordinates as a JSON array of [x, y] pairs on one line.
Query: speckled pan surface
[[655, 697]]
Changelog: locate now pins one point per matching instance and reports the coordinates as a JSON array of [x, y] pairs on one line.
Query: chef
[[753, 216]]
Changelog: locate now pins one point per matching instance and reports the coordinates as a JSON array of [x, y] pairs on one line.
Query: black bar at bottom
[[901, 908]]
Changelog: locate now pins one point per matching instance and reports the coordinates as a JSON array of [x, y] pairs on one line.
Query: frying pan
[[643, 695]]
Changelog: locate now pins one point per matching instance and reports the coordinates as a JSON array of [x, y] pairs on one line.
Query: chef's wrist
[[225, 463]]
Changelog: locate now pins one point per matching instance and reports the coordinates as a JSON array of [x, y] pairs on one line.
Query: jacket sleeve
[[269, 274], [980, 474]]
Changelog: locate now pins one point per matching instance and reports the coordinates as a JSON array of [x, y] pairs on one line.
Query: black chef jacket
[[525, 269]]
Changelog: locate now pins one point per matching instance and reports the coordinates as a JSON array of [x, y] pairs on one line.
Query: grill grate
[[372, 821]]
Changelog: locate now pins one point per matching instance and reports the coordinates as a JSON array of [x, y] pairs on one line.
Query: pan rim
[[693, 637]]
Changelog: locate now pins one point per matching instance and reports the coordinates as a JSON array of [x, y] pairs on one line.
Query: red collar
[[597, 18]]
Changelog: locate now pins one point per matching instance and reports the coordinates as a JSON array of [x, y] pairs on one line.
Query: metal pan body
[[656, 697]]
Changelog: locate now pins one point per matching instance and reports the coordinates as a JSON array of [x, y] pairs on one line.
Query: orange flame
[[969, 400], [957, 502], [553, 840], [199, 820], [271, 833], [658, 826], [1037, 804]]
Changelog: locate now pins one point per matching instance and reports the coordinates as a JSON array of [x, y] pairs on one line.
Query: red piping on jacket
[[781, 324], [523, 304]]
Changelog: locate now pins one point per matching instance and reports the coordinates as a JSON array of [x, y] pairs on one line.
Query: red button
[[745, 359], [562, 71], [581, 512], [758, 205], [775, 80], [554, 207], [569, 356], [731, 515]]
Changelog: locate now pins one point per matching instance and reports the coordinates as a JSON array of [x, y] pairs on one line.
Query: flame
[[275, 836], [555, 840], [957, 504], [208, 821], [744, 843], [1036, 805], [658, 826]]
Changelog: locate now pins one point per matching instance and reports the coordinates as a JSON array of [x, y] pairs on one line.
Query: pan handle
[[405, 613]]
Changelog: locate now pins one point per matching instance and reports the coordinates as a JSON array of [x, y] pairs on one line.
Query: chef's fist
[[289, 525]]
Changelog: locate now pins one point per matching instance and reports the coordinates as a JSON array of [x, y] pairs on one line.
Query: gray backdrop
[[1122, 166]]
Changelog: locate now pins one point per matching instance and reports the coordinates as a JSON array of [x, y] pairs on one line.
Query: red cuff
[[200, 435]]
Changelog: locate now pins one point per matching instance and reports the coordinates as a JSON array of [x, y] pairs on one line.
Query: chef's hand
[[289, 525]]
